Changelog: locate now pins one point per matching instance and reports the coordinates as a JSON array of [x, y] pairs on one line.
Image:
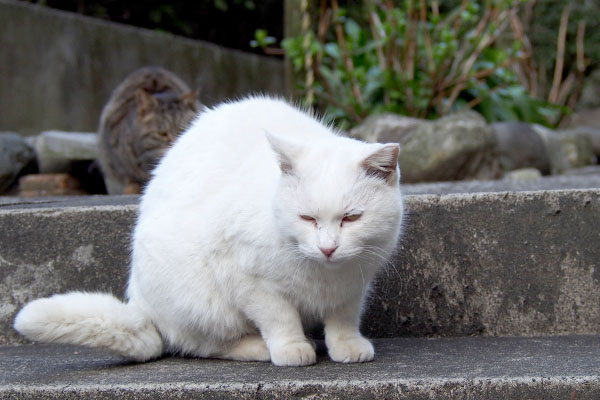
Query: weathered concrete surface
[[51, 250], [59, 68], [456, 368], [522, 263]]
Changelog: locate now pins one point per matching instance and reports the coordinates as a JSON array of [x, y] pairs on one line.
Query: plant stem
[[560, 54]]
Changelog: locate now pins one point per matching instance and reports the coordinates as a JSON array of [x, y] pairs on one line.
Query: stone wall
[[57, 69]]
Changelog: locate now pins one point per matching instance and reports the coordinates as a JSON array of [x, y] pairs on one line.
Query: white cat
[[258, 223]]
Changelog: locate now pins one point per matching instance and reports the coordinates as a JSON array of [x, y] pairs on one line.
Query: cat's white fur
[[230, 251]]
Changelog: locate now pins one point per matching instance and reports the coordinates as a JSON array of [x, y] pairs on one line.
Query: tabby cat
[[145, 113]]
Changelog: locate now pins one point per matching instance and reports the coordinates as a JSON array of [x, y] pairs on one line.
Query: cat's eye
[[308, 218], [351, 217]]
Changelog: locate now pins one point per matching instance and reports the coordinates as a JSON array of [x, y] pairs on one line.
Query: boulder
[[592, 133], [577, 146], [385, 128], [16, 158], [518, 146], [559, 162], [455, 147]]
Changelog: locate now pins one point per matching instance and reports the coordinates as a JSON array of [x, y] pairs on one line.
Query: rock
[[577, 146], [455, 147], [49, 185], [16, 158], [56, 150], [559, 162], [592, 133], [458, 146], [520, 146], [523, 174], [385, 128]]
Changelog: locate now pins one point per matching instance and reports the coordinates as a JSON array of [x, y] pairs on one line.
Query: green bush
[[415, 59]]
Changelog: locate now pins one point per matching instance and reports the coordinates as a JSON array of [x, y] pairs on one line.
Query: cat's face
[[161, 119], [338, 204]]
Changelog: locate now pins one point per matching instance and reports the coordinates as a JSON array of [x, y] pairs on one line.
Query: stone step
[[581, 178], [505, 263], [549, 368]]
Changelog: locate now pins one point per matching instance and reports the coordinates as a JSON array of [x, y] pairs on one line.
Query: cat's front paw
[[294, 354], [352, 350]]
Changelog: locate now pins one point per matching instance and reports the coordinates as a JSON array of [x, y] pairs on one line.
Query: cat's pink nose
[[327, 251]]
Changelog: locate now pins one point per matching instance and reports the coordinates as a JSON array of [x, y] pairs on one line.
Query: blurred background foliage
[[510, 60], [543, 23], [507, 59]]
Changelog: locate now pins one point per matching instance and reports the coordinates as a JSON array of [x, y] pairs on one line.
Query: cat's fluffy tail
[[91, 319]]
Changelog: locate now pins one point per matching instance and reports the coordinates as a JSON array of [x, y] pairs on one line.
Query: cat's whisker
[[362, 275], [379, 253]]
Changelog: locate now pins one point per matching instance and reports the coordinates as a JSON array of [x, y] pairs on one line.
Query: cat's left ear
[[146, 103], [285, 151], [382, 163]]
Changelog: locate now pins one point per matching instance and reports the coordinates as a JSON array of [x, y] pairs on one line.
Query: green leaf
[[332, 50], [352, 29]]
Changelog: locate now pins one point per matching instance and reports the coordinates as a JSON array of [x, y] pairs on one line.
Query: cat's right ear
[[285, 152], [190, 99], [383, 163]]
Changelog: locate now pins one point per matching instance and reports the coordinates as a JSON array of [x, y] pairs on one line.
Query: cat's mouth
[[332, 262], [327, 262]]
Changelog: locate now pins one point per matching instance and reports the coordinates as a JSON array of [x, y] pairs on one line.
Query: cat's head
[[339, 201], [161, 118]]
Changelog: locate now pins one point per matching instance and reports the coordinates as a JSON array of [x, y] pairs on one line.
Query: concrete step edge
[[443, 368]]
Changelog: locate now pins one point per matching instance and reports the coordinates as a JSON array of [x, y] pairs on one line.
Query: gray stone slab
[[67, 145], [18, 203], [512, 263], [55, 150], [449, 368], [557, 182]]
